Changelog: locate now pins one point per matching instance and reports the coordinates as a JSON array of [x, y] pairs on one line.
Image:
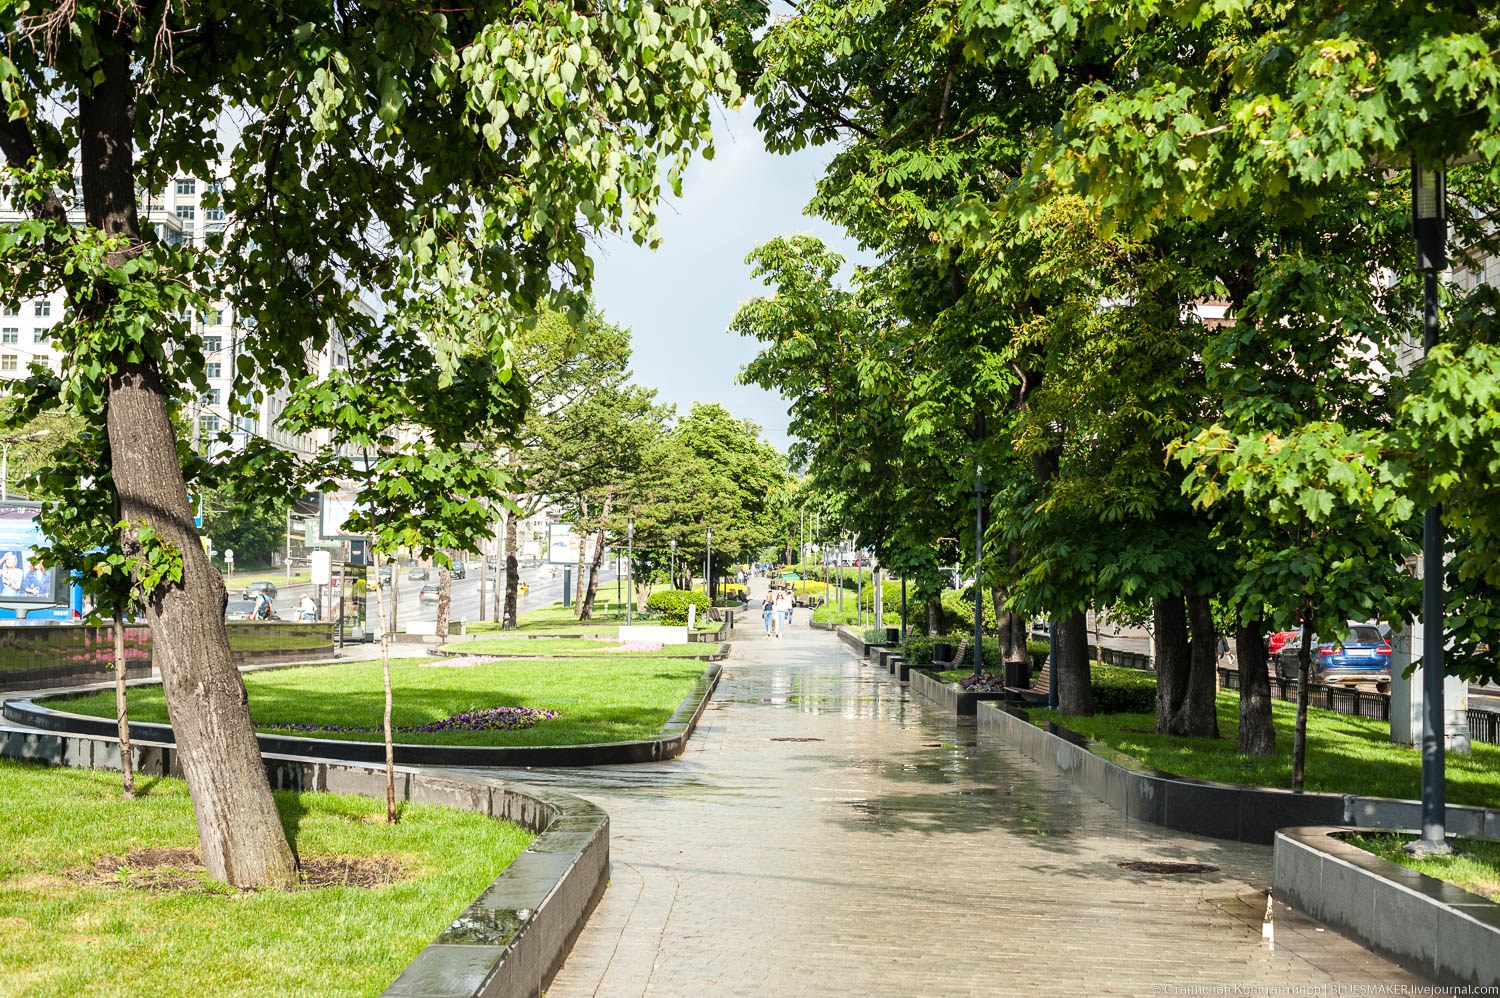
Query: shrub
[[1123, 691], [673, 604], [958, 609], [1039, 652]]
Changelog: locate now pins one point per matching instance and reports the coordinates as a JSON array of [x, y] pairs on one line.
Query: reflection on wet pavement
[[826, 834]]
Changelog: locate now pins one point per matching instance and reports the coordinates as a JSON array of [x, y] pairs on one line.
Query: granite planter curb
[[1435, 928], [1215, 810], [668, 743], [512, 939], [715, 635], [819, 625], [951, 697]]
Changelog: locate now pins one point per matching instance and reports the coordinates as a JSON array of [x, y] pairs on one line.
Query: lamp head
[[1429, 216]]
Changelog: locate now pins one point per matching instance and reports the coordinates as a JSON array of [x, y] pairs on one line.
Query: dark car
[[269, 588], [417, 574], [458, 571], [1362, 655], [430, 593], [242, 609]]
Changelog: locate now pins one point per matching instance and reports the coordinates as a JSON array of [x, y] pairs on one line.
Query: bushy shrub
[[1039, 651], [1123, 691], [673, 604], [917, 648], [958, 609]]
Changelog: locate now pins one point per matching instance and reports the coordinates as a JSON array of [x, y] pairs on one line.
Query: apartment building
[[177, 216]]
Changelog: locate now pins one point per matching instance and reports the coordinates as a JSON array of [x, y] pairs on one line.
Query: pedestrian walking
[[307, 608], [783, 611], [766, 610]]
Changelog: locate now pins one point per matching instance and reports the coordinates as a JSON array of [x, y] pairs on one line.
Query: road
[[544, 583]]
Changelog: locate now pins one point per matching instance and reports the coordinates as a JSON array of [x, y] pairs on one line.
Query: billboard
[[23, 577], [335, 509], [564, 544]]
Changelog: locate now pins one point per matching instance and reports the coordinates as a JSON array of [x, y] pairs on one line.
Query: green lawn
[[1474, 865], [62, 937], [1345, 754], [600, 699], [557, 619], [521, 645]]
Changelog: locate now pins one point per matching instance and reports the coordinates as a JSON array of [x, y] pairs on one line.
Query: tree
[[406, 152]]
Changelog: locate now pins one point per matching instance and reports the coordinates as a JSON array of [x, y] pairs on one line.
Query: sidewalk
[[825, 834]]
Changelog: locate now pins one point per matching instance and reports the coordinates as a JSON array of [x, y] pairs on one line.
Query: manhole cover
[[796, 739], [1149, 866]]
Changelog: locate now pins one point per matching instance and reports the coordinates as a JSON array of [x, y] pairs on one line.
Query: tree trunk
[[1257, 733], [385, 675], [122, 712], [1170, 637], [1075, 694], [1304, 675], [239, 829], [512, 572], [934, 612], [1012, 630], [578, 580], [1196, 716], [445, 602], [595, 564]]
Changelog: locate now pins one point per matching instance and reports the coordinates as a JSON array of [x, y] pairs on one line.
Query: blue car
[[1362, 656]]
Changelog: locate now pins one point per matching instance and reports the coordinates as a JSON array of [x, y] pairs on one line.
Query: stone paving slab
[[824, 834]]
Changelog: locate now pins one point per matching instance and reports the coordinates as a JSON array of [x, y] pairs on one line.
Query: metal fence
[[1484, 725]]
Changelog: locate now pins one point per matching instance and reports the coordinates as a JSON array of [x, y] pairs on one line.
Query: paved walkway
[[827, 834]]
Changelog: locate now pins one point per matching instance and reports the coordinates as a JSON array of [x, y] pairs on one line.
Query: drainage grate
[[1151, 866], [796, 739]]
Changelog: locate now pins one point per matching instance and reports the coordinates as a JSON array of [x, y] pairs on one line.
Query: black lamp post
[[1429, 212], [978, 568], [630, 569]]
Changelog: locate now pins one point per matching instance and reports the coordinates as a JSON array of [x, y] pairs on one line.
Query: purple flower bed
[[488, 719], [985, 682]]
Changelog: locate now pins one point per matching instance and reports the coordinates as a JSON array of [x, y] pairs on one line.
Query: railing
[[1484, 726], [1339, 699]]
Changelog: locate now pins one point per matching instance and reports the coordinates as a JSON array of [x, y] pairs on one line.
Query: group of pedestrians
[[776, 611]]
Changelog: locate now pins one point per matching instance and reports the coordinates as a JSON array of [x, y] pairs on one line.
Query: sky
[[679, 299]]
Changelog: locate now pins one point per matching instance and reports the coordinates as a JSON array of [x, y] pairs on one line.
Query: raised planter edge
[[1449, 934], [548, 906], [951, 697], [669, 742]]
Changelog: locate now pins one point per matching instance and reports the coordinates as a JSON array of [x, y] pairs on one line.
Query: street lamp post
[[672, 569], [708, 566], [630, 568], [1429, 197], [978, 568]]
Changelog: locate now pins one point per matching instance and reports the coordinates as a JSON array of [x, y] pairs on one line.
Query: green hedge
[[673, 604], [1123, 691]]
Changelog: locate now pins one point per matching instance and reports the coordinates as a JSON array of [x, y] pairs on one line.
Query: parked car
[[1276, 639], [243, 609], [1041, 630], [458, 571], [417, 574], [269, 588], [1362, 655], [429, 593]]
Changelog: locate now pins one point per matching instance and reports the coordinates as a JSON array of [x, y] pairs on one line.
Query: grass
[[63, 937], [829, 613], [557, 619], [1345, 754], [601, 699], [521, 645], [1474, 865]]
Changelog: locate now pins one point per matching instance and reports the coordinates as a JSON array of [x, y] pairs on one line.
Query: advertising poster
[[23, 577], [563, 544]]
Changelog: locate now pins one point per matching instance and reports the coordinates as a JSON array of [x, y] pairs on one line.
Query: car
[[458, 571], [417, 574], [1276, 639], [243, 609], [1041, 630], [269, 588], [429, 593], [1362, 655]]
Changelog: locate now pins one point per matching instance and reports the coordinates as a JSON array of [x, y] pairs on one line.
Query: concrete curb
[[512, 939], [951, 697], [1215, 810], [669, 742], [1438, 929]]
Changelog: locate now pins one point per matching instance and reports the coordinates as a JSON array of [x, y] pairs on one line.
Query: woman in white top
[[783, 613]]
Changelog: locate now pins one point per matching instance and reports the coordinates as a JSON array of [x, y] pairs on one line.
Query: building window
[[187, 185], [209, 423], [10, 334], [212, 369], [213, 344], [213, 214], [212, 317], [43, 309], [10, 311], [7, 362], [186, 212], [41, 336]]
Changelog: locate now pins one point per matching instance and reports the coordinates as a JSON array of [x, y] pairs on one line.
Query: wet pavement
[[827, 834]]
